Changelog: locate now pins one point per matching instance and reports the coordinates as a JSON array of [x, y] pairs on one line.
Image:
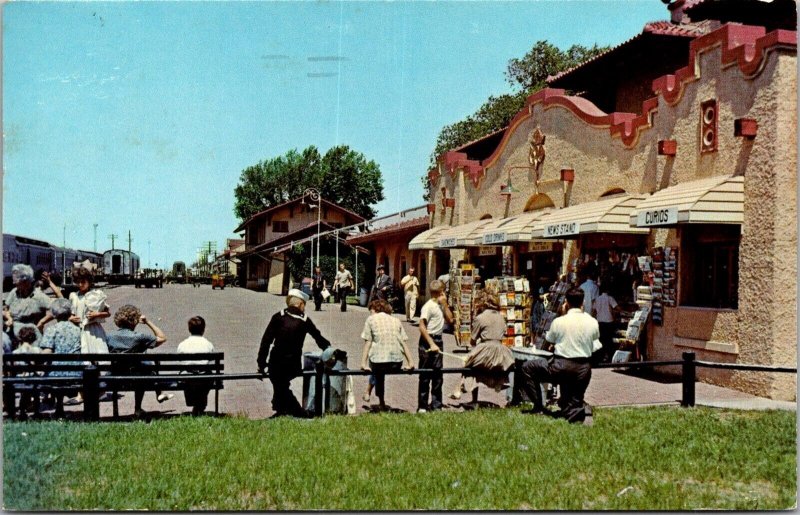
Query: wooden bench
[[29, 373]]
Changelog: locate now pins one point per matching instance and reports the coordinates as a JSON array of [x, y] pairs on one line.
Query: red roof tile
[[657, 28]]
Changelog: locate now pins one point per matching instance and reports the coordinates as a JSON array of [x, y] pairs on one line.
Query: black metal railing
[[92, 383]]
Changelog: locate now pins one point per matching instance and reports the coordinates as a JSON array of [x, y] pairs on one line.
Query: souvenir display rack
[[462, 295], [515, 306], [628, 339]]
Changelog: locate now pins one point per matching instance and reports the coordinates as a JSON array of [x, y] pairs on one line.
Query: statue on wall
[[536, 154]]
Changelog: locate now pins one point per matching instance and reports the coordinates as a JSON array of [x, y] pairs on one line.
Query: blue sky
[[141, 116]]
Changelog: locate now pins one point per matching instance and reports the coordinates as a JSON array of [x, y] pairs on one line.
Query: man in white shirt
[[590, 293], [196, 394], [431, 326], [575, 336], [342, 285], [410, 286]]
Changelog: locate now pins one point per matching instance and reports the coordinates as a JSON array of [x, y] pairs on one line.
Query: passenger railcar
[[19, 249], [120, 266]]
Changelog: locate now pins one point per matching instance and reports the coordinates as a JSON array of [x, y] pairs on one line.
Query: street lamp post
[[315, 196]]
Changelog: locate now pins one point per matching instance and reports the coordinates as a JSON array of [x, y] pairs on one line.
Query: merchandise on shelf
[[463, 289], [515, 306]]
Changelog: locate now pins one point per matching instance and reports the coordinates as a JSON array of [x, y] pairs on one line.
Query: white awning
[[509, 229], [717, 200], [427, 240], [461, 235], [609, 215]]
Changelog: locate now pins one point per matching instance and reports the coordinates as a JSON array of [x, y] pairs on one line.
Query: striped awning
[[717, 200], [509, 229], [461, 235], [609, 215], [427, 240]]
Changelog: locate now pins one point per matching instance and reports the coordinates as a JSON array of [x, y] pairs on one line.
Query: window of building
[[710, 266], [280, 226]]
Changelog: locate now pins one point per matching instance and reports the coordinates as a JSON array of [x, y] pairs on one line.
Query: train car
[[39, 254], [178, 274], [120, 266]]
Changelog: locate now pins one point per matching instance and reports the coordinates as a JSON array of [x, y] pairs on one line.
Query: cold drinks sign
[[663, 216]]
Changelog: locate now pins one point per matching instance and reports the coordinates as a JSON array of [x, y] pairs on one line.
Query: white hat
[[294, 292]]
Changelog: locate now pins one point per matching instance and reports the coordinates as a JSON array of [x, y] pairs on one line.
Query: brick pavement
[[236, 319]]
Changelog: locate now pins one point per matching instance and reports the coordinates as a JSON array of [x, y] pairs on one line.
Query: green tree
[[343, 176], [526, 76]]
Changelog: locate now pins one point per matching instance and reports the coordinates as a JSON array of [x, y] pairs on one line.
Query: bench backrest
[[167, 363]]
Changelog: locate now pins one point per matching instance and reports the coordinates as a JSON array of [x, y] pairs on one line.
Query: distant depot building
[[679, 147], [270, 233]]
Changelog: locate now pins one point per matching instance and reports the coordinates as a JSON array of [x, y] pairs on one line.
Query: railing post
[[689, 376], [318, 388], [91, 393]]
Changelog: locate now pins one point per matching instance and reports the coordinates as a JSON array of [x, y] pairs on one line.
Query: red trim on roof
[[415, 223], [744, 45]]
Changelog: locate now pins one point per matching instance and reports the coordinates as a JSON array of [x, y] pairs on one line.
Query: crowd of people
[[77, 328]]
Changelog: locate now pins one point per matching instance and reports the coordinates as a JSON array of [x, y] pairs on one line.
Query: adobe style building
[[270, 233], [681, 140]]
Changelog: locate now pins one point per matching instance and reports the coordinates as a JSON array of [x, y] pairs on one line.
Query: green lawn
[[664, 458]]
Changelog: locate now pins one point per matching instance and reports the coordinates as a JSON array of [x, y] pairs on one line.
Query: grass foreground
[[662, 458]]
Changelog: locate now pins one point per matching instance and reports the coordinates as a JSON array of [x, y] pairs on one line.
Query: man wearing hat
[[383, 282], [285, 334]]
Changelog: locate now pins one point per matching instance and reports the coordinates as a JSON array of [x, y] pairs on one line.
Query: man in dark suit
[[380, 290]]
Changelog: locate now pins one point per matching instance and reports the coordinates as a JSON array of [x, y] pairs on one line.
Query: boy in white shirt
[[196, 394], [431, 326]]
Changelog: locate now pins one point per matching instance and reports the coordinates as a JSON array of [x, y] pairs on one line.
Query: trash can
[[337, 403], [363, 297], [305, 287]]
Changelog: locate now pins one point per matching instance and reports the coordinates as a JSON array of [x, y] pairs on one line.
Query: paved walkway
[[236, 319]]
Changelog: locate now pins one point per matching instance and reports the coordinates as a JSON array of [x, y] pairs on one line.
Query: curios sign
[[662, 216]]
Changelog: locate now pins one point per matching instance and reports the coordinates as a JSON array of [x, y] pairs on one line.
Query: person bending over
[[285, 334]]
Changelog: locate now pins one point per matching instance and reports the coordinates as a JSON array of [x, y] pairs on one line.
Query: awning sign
[[494, 237], [651, 217], [487, 251], [562, 229], [447, 242], [541, 246]]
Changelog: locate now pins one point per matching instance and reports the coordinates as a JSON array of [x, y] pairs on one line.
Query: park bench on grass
[[28, 373]]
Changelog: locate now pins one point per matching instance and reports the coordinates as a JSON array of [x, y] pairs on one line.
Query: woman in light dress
[[488, 355], [89, 309]]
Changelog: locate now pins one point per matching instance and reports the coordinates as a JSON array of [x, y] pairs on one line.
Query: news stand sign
[[561, 230], [655, 217]]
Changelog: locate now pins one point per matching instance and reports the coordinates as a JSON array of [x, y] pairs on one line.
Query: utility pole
[[113, 239], [129, 240], [95, 237], [148, 253]]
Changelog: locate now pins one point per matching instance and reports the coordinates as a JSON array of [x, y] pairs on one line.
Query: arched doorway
[[612, 192], [538, 201]]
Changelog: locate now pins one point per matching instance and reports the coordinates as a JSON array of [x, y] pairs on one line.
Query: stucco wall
[[763, 329]]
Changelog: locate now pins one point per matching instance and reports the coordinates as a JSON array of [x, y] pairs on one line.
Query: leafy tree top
[[526, 76], [343, 176]]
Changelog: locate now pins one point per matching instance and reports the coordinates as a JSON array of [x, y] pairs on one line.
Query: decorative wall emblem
[[536, 154]]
